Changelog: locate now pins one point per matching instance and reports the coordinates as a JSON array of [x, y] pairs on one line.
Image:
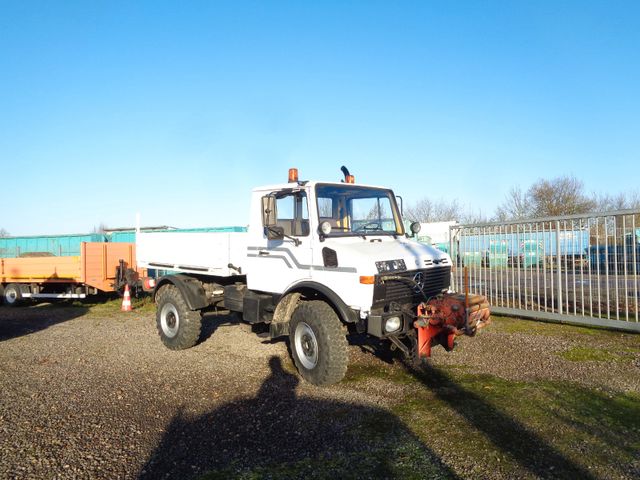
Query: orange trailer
[[99, 267]]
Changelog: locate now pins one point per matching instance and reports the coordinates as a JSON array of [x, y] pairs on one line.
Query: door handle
[[263, 253]]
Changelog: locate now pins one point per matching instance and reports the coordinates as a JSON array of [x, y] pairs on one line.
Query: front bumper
[[396, 293]]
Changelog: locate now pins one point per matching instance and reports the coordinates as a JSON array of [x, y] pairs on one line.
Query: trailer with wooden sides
[[100, 267]]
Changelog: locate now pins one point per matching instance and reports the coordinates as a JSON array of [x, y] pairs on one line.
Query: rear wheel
[[179, 326], [318, 343], [12, 294]]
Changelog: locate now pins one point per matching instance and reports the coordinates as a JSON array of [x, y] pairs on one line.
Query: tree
[[425, 210], [516, 206], [546, 198], [559, 196], [469, 217], [3, 233], [620, 201], [100, 228]]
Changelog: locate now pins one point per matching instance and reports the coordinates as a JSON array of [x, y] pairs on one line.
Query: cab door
[[277, 263]]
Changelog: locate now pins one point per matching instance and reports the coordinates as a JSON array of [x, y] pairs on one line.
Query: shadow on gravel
[[212, 321], [19, 321], [372, 346], [527, 448], [277, 434]]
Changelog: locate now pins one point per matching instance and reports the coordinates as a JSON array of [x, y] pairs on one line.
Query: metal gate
[[578, 269]]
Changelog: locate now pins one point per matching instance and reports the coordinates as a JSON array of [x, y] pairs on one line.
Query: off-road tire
[[179, 326], [317, 321], [12, 295]]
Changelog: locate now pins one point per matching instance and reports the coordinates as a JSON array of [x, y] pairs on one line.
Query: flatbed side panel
[[55, 245], [41, 269], [100, 261], [208, 253]]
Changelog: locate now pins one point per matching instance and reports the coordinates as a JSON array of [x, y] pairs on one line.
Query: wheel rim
[[169, 320], [306, 345], [10, 296]]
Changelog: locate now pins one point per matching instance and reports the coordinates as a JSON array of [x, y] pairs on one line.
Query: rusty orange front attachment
[[442, 318]]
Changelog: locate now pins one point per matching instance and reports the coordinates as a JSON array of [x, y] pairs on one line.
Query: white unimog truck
[[318, 260]]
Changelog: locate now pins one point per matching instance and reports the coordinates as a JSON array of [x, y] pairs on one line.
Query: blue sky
[[177, 109]]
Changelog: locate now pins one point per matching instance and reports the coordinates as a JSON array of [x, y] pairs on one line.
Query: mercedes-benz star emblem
[[419, 279]]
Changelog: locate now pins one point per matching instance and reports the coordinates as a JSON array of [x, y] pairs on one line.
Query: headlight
[[386, 266], [392, 324], [325, 228]]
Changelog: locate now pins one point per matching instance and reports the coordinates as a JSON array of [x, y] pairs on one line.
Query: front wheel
[[318, 343], [178, 325]]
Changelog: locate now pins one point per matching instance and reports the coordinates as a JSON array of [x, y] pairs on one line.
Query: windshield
[[354, 210]]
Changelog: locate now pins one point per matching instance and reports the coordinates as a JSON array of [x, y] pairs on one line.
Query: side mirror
[[274, 232], [415, 228], [269, 210]]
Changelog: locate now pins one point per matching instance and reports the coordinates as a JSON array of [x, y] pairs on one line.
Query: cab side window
[[292, 214]]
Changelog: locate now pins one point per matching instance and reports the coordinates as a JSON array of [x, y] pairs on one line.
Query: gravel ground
[[94, 394], [526, 357]]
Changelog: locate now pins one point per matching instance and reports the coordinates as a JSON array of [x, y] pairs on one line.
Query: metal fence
[[578, 269]]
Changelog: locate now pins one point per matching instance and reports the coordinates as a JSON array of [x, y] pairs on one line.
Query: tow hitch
[[441, 319]]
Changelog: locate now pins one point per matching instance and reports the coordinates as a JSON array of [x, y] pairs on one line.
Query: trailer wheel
[[178, 326], [12, 294], [318, 343]]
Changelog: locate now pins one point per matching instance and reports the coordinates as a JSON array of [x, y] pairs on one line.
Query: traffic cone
[[126, 300]]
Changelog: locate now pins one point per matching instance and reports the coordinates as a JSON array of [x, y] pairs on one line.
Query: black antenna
[[345, 172]]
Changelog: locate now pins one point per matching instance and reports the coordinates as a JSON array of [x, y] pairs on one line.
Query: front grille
[[442, 261], [403, 291]]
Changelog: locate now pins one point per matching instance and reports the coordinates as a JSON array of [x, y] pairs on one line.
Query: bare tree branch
[[515, 206], [100, 228], [621, 201], [546, 198], [473, 217], [425, 210], [559, 196]]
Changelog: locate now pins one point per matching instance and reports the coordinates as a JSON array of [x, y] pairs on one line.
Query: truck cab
[[347, 241]]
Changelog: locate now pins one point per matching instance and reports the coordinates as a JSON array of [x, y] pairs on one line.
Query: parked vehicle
[[521, 250], [318, 260], [530, 254], [99, 267], [497, 255], [615, 258]]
